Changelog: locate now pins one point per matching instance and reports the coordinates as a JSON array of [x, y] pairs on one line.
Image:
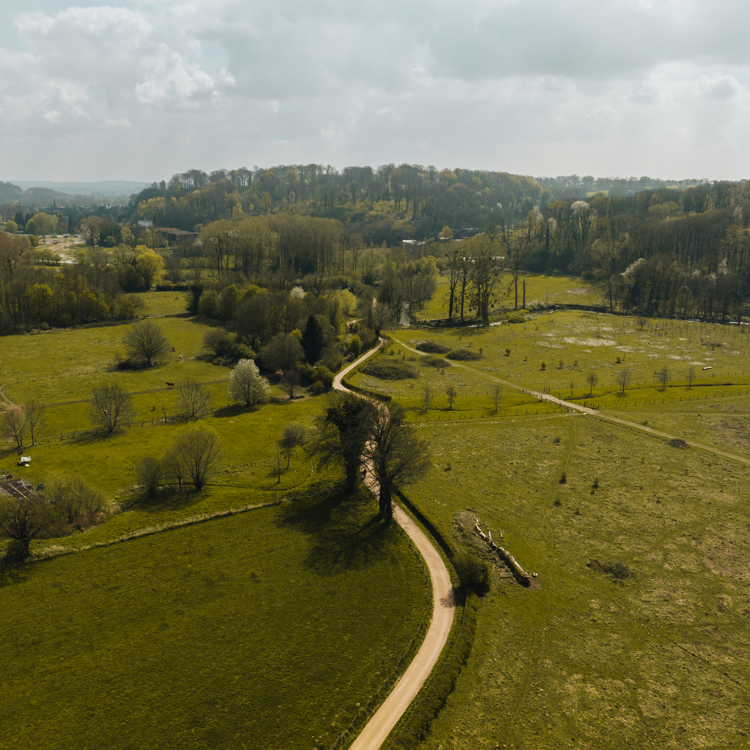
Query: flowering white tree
[[246, 384]]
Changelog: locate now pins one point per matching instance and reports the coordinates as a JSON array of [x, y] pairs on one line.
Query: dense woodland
[[661, 251]]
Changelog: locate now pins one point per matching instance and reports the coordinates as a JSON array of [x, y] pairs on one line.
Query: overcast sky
[[144, 89]]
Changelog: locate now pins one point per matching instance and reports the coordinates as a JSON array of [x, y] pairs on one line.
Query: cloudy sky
[[142, 89]]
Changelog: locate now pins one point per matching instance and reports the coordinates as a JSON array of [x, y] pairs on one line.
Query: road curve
[[406, 689]]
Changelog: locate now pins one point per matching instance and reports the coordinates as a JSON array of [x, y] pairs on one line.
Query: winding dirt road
[[406, 689]]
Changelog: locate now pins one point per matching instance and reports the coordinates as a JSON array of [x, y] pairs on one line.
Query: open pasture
[[64, 365], [635, 633], [556, 352], [272, 628], [541, 291], [159, 304]]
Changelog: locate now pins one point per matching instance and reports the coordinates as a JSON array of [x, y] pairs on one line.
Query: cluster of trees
[[193, 457], [661, 252], [385, 204], [92, 290], [371, 439], [63, 504]]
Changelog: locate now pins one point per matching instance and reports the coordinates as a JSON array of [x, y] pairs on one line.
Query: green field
[[660, 659], [541, 291], [272, 628]]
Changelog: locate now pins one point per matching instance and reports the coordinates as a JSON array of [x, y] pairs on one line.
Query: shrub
[[432, 347], [563, 478], [463, 355], [437, 362], [317, 388], [678, 443], [390, 369], [516, 317], [619, 571], [324, 376], [472, 572]]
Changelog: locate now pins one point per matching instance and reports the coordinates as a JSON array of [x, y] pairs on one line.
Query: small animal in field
[[169, 385]]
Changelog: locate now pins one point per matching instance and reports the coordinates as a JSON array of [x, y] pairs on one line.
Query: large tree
[[198, 450], [395, 455], [313, 339], [23, 519], [282, 352], [111, 407], [193, 399], [145, 341], [14, 423], [343, 432]]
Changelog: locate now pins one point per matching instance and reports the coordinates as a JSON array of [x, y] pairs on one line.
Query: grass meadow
[[541, 290], [660, 658], [274, 628]]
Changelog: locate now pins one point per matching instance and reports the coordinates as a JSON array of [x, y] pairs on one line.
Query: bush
[[149, 475], [516, 317], [390, 369], [619, 571], [432, 347], [324, 376], [437, 362], [463, 355], [472, 572], [317, 388], [368, 338]]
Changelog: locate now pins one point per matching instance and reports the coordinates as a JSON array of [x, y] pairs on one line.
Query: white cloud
[[598, 86]]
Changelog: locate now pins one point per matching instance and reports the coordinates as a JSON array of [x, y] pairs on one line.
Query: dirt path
[[590, 412], [406, 689]]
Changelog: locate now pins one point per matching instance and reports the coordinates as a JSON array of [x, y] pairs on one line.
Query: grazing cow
[[169, 385]]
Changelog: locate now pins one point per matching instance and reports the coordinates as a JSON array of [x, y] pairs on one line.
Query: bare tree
[[73, 497], [295, 435], [623, 380], [497, 396], [662, 376], [451, 392], [111, 408], [34, 411], [23, 519], [289, 382], [592, 379], [14, 423], [145, 341], [690, 376], [426, 398], [395, 454], [150, 474], [198, 449], [173, 468], [641, 322], [193, 399]]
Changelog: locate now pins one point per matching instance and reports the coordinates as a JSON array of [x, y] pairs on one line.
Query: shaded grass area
[[657, 658], [273, 627]]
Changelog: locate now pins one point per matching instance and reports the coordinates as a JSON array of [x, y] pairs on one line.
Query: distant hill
[[9, 192], [102, 188]]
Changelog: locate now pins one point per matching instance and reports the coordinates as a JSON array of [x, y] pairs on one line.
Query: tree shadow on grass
[[346, 532], [234, 410], [168, 501]]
